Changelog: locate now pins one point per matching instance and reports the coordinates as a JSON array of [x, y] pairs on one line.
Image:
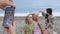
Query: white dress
[[54, 32], [36, 28]]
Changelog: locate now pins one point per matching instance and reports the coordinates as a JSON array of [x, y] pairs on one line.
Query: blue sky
[[36, 3], [23, 6], [42, 4]]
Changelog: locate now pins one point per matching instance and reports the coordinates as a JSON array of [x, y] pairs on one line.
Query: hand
[[4, 3], [11, 30]]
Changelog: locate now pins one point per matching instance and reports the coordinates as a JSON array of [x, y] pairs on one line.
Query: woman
[[48, 19], [28, 26], [37, 27]]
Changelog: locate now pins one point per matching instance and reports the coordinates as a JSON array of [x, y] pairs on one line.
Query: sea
[[26, 11]]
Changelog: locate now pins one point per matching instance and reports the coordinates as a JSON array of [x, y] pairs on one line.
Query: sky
[[27, 6], [42, 4]]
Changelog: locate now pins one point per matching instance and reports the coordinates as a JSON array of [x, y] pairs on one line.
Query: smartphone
[[8, 17]]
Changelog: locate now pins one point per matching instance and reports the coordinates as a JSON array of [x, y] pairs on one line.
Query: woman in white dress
[[37, 27]]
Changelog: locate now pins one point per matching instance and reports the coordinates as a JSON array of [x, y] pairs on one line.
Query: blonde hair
[[36, 17]]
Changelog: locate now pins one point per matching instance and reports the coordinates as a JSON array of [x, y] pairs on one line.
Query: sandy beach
[[19, 21]]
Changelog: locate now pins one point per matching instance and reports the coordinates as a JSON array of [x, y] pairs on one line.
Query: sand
[[19, 21]]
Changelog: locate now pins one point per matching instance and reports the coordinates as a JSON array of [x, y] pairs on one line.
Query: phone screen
[[8, 17]]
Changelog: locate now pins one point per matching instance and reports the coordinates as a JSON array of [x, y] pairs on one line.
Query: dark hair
[[49, 10], [46, 16], [26, 20]]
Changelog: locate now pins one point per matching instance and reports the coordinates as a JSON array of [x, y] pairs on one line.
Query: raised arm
[[43, 13], [29, 14], [39, 11]]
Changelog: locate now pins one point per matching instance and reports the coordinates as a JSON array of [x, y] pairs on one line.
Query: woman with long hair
[[28, 25], [37, 27], [48, 20]]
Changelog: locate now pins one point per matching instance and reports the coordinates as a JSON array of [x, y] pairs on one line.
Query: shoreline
[[20, 22]]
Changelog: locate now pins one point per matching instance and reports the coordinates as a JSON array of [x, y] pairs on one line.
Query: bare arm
[[26, 32], [38, 12], [43, 14], [33, 32], [40, 27]]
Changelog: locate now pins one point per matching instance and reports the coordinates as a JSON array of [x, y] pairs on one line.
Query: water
[[23, 11], [29, 10]]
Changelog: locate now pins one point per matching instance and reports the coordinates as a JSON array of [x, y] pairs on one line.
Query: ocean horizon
[[25, 14]]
